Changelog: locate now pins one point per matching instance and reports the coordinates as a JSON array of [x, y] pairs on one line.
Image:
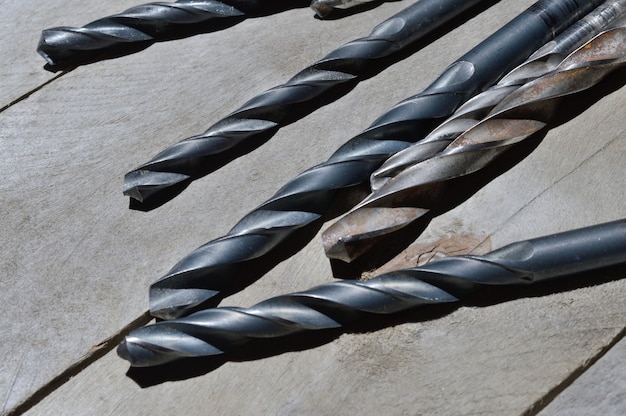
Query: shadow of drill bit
[[452, 193], [362, 323]]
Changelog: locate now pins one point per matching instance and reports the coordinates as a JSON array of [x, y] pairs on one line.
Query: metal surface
[[420, 187], [285, 223], [334, 305], [325, 7], [260, 118], [469, 114], [139, 27]]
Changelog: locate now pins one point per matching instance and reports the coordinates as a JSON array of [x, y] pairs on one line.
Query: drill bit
[[263, 237], [325, 7], [260, 118], [139, 27], [476, 108], [333, 305], [419, 188]]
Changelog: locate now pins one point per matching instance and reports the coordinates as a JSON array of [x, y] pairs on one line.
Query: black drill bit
[[139, 27], [264, 236], [260, 118], [333, 305], [419, 188]]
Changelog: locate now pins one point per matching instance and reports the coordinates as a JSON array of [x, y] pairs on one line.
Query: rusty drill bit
[[325, 7], [333, 305], [139, 27], [476, 108], [261, 117], [411, 193], [263, 237]]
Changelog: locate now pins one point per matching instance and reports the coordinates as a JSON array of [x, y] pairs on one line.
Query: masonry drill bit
[[546, 59], [333, 305], [139, 27], [260, 118], [410, 194], [261, 239], [325, 7]]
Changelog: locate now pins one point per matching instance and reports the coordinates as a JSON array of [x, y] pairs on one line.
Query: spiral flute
[[325, 7], [333, 305], [418, 188], [263, 237], [475, 109], [261, 117], [139, 27]]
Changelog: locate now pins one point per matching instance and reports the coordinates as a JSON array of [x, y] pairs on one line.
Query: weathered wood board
[[76, 263]]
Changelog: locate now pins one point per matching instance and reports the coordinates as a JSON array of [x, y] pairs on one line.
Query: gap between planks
[[31, 92]]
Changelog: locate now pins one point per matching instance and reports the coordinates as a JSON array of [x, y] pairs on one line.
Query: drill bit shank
[[333, 305], [260, 239]]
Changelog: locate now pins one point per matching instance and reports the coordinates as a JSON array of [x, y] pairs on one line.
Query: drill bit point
[[342, 239], [324, 7], [141, 184], [172, 344]]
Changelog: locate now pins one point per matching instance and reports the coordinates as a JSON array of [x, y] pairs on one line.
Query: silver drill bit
[[260, 118], [287, 221], [420, 187], [325, 7], [333, 305], [469, 114], [139, 27]]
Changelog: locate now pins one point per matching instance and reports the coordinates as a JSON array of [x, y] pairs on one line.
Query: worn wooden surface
[[76, 263]]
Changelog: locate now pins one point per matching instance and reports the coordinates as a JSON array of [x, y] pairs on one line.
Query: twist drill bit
[[261, 239], [333, 305], [325, 7], [417, 189], [139, 27], [476, 108], [261, 117]]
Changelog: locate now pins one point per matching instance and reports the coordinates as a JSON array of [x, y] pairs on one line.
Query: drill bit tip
[[341, 240]]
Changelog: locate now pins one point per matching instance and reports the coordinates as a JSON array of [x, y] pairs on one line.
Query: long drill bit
[[139, 27], [333, 305], [261, 239], [546, 59], [410, 194], [260, 118], [325, 7]]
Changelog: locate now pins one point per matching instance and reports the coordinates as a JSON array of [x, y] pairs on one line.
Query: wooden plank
[[79, 263], [600, 390]]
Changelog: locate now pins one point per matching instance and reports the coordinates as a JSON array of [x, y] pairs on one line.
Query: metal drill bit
[[325, 7], [333, 305], [139, 27], [282, 224], [260, 118], [476, 108], [419, 188]]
